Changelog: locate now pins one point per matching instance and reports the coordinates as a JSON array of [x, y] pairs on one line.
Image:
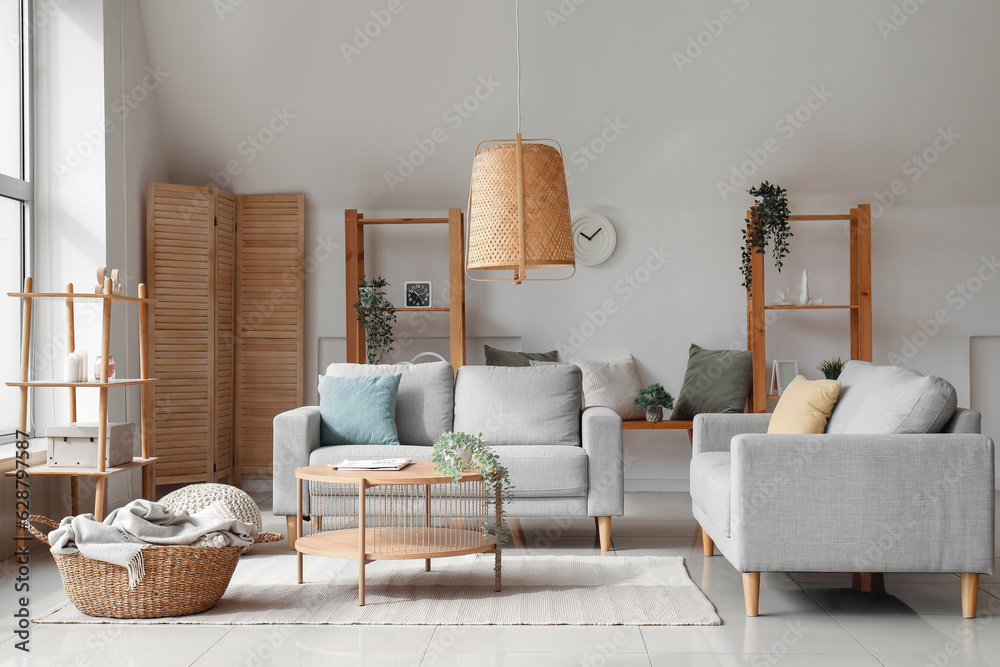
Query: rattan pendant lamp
[[518, 204]]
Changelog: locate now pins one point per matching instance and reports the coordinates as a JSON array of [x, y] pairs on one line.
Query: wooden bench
[[665, 424]]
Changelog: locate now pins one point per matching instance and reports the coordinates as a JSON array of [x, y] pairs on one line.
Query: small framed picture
[[782, 374], [418, 293]]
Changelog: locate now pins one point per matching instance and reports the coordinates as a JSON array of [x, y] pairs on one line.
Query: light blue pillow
[[356, 411]]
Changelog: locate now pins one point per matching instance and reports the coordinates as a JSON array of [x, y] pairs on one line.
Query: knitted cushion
[[223, 500]]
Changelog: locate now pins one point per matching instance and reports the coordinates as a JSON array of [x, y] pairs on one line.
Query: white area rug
[[537, 590]]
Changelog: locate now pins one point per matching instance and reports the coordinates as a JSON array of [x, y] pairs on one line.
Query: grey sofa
[[563, 462], [916, 494]]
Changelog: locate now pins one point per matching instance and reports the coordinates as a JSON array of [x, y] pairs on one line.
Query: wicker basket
[[179, 580]]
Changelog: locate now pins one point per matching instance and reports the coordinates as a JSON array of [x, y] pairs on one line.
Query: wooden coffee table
[[412, 513]]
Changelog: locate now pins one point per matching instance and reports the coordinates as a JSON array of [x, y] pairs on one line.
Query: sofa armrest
[[714, 431], [601, 435], [296, 435], [863, 503]]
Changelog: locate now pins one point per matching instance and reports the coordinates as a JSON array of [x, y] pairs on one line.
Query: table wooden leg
[[427, 565], [292, 537], [99, 498], [361, 543]]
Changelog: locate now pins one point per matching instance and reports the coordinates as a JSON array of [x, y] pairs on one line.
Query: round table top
[[418, 472]]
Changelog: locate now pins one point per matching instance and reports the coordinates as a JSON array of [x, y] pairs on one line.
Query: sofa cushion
[[534, 405], [889, 399], [715, 381], [611, 384], [497, 357], [424, 399], [711, 487], [361, 409], [804, 406]]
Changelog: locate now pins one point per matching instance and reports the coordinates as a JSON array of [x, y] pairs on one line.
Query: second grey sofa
[[563, 462]]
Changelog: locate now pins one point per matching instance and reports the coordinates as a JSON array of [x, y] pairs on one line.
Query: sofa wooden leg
[[751, 592], [868, 582], [970, 594], [604, 530], [291, 525], [707, 543], [516, 532]]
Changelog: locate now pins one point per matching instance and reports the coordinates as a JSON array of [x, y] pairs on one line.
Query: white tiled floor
[[809, 619]]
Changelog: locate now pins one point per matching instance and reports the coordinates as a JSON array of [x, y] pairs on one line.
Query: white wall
[[276, 75]]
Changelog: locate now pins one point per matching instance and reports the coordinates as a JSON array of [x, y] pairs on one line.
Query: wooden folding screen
[[216, 389]]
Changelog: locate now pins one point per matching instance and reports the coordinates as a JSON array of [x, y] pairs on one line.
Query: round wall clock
[[594, 238]]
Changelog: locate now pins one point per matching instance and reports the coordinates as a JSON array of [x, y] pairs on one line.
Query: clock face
[[418, 294], [594, 238]]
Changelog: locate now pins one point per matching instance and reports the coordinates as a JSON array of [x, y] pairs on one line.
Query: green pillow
[[358, 411], [715, 381], [498, 357]]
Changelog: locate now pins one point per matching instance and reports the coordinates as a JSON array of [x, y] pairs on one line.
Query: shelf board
[[79, 295], [804, 218], [418, 310], [402, 221], [630, 424], [74, 385], [810, 307], [46, 471]]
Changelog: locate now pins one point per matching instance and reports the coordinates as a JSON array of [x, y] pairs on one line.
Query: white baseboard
[[658, 485]]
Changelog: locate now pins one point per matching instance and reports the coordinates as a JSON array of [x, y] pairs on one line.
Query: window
[[15, 195]]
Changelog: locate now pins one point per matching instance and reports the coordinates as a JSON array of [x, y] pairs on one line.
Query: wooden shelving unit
[[354, 235], [101, 472], [860, 307]]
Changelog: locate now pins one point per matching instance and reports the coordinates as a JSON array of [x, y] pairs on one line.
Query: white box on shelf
[[74, 445]]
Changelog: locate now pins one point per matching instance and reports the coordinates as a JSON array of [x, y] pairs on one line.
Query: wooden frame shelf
[[860, 307], [100, 472], [354, 235]]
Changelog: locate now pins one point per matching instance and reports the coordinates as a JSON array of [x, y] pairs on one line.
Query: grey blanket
[[126, 531]]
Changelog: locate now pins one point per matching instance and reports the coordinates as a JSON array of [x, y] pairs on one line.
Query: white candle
[[72, 367]]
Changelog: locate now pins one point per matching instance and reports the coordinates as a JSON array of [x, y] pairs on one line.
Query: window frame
[[22, 189]]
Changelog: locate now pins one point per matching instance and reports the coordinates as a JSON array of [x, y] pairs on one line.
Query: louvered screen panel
[[225, 342], [179, 275], [270, 276]]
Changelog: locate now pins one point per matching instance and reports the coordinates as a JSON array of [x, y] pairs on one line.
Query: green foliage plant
[[377, 316], [652, 397], [832, 368], [769, 225]]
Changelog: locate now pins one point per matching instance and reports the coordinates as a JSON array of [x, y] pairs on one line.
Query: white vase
[[654, 415]]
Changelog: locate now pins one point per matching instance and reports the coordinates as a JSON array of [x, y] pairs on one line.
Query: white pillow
[[613, 384]]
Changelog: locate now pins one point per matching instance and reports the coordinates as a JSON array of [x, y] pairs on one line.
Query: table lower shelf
[[397, 543]]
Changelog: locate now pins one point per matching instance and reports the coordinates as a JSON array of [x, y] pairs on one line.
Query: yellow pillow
[[804, 406]]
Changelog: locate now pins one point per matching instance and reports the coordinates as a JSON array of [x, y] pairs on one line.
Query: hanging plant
[[376, 315], [770, 224], [456, 452]]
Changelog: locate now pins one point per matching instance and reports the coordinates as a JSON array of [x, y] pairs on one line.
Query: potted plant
[[769, 223], [653, 399], [456, 452], [376, 315], [832, 368]]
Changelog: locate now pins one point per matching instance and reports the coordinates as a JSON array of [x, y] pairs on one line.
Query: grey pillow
[[715, 381], [890, 399], [497, 357]]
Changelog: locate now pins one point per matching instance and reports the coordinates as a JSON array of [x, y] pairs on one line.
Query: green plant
[[832, 368], [456, 452], [769, 224], [652, 397], [376, 315]]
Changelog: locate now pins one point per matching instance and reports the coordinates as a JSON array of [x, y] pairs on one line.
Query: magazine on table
[[372, 464]]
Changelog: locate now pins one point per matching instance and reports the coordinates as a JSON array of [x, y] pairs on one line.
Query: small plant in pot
[[653, 399], [376, 314], [456, 452], [832, 368]]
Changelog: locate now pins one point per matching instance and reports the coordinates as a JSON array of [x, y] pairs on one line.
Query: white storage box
[[75, 445]]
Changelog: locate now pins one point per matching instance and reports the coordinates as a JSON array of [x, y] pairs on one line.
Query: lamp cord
[[517, 48]]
